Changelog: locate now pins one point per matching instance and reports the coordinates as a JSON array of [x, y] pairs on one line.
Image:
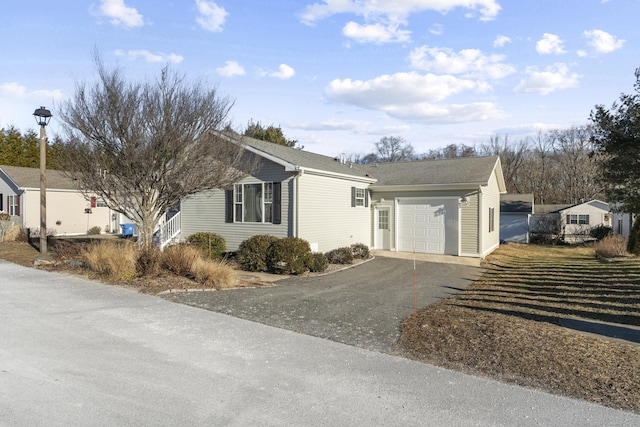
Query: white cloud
[[376, 33], [437, 29], [132, 55], [413, 97], [469, 62], [552, 78], [120, 13], [212, 17], [602, 42], [284, 72], [15, 91], [331, 125], [500, 41], [488, 9], [550, 44], [230, 69]]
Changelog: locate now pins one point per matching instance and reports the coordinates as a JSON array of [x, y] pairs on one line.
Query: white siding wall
[[206, 211], [326, 219], [66, 207], [469, 226], [596, 217], [490, 198]]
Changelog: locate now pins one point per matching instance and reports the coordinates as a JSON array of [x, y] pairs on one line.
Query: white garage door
[[423, 226]]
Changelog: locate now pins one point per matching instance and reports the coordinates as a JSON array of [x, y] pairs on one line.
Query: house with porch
[[447, 206]]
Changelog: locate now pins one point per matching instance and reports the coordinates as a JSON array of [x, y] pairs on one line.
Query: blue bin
[[127, 230]]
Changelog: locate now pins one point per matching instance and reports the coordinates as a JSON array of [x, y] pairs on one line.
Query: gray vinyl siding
[[325, 216], [206, 211], [469, 226], [491, 198], [467, 221]]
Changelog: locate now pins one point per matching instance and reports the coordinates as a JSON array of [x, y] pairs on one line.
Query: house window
[[253, 202], [359, 197], [578, 219], [492, 219], [14, 205]]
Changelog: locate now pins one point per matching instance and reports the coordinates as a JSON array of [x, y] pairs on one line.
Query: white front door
[[383, 228]]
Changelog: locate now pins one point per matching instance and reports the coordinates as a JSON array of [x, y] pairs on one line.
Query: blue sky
[[337, 75]]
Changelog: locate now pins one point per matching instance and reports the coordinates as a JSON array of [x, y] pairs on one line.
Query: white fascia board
[[364, 179]]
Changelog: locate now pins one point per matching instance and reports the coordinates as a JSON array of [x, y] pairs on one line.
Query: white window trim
[[360, 196], [13, 204], [266, 205]]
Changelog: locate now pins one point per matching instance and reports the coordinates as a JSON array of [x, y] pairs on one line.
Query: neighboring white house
[[515, 217], [68, 211], [622, 223], [577, 220], [434, 206], [572, 222]]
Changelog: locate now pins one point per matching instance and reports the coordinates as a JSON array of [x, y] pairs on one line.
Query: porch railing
[[169, 230]]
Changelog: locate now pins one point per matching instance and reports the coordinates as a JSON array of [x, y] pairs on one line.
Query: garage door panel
[[423, 225]]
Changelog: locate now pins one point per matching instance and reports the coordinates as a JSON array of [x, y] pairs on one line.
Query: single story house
[[434, 206], [572, 222], [68, 211], [515, 217]]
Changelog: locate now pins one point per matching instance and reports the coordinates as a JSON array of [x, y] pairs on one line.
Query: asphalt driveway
[[361, 306]]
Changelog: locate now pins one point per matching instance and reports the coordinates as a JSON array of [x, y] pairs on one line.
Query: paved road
[[74, 352], [361, 306]]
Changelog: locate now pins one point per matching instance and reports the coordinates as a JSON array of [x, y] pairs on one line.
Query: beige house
[[68, 211], [434, 206]]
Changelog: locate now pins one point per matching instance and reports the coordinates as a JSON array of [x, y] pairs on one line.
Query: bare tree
[[512, 157], [394, 149], [577, 165], [142, 147]]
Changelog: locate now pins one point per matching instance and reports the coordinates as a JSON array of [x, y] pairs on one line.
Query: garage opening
[[428, 225]]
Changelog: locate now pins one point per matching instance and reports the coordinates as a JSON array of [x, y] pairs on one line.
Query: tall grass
[[112, 260], [180, 257], [611, 247], [218, 273]]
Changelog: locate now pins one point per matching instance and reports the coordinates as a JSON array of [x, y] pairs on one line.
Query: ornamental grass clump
[[611, 247], [219, 274], [180, 257], [111, 260]]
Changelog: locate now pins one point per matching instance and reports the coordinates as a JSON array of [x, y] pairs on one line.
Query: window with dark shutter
[[277, 202], [228, 205]]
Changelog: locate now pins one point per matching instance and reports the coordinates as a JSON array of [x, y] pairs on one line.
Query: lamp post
[[43, 116]]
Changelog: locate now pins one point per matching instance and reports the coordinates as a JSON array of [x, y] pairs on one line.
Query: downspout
[[296, 193]]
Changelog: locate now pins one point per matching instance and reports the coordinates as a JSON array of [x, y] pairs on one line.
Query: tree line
[[557, 166]]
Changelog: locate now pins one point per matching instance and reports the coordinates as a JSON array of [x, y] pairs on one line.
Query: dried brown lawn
[[506, 326]]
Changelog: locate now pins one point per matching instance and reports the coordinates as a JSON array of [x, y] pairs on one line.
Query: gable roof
[[461, 171], [294, 159], [30, 178], [516, 203], [598, 204]]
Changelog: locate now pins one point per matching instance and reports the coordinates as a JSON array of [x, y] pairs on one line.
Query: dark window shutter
[[353, 197], [18, 206], [277, 203], [228, 205], [1, 200], [366, 198]]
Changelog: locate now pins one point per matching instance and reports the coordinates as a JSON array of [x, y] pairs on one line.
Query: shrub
[[318, 262], [340, 256], [112, 260], [149, 261], [94, 230], [600, 232], [633, 245], [360, 251], [290, 255], [21, 235], [217, 273], [611, 247], [180, 257], [14, 234], [253, 252], [68, 250], [210, 245]]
